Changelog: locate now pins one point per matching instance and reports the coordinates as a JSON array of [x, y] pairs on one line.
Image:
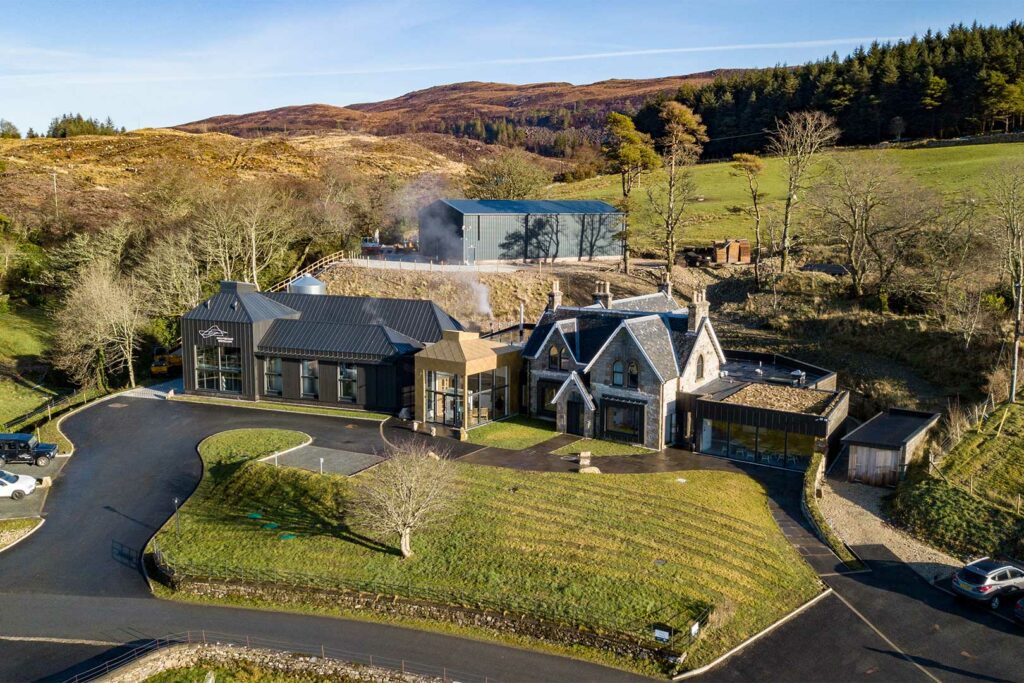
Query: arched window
[[617, 374], [554, 357], [700, 366], [632, 375]]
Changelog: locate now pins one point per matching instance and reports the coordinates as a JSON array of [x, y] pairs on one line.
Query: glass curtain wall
[[347, 375], [488, 397], [444, 398], [310, 373], [756, 444], [219, 368]]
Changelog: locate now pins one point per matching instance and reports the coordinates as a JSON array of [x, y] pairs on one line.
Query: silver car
[[989, 581]]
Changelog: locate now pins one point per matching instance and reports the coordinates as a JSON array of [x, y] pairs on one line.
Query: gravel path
[[855, 512]]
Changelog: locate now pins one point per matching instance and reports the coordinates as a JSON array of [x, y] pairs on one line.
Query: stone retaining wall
[[497, 622], [180, 656]]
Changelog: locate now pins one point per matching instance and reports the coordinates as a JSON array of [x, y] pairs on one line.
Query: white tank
[[307, 284]]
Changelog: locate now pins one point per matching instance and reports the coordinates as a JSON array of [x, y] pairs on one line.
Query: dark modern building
[[470, 230], [307, 347]]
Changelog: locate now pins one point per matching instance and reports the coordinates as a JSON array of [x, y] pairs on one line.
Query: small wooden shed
[[731, 251], [881, 448]]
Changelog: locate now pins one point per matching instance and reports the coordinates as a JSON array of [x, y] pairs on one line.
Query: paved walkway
[[332, 460]]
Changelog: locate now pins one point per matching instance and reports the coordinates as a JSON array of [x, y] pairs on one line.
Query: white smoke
[[481, 294]]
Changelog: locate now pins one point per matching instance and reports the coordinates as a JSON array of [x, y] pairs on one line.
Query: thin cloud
[[109, 78]]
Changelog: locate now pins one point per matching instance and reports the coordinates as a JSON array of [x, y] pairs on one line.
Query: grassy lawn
[[25, 338], [599, 447], [948, 169], [515, 433], [567, 547], [287, 407], [993, 456]]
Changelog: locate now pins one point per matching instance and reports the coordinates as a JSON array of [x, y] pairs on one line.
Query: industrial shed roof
[[331, 339], [420, 319], [240, 306], [525, 206]]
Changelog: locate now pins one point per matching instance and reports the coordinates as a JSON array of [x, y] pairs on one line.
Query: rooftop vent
[[307, 284]]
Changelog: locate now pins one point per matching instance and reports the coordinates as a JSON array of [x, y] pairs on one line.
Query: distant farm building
[[469, 231], [731, 251]]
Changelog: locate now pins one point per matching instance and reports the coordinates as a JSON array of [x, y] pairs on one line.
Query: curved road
[[73, 592]]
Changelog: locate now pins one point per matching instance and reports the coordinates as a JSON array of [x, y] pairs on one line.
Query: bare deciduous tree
[[413, 487], [1006, 197], [171, 277], [97, 328], [798, 139], [680, 146], [750, 167], [875, 213]]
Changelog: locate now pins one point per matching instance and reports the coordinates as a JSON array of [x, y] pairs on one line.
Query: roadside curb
[[339, 416], [32, 531], [89, 404], [308, 441], [757, 636]]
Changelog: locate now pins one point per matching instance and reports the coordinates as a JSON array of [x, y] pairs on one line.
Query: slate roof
[[662, 334], [524, 206], [658, 302], [891, 429], [420, 319], [653, 334], [337, 340]]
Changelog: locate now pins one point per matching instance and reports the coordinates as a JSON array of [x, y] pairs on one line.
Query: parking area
[[32, 505], [1005, 608], [328, 460]]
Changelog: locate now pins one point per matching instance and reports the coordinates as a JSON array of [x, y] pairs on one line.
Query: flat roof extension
[[892, 428]]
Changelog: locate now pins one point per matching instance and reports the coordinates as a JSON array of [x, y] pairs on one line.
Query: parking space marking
[[884, 637]]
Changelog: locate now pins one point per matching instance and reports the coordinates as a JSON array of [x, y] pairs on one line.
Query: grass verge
[[831, 538], [516, 433], [992, 457], [953, 520], [286, 407], [240, 672], [13, 530], [600, 447], [583, 550]]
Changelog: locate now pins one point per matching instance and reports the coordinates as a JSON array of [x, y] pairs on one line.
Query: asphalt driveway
[[76, 592]]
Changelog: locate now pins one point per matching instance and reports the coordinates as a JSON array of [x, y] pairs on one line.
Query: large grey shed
[[881, 448], [473, 230]]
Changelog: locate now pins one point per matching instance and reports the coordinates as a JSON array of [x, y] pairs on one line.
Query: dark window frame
[[304, 366], [618, 373], [699, 374], [351, 382], [273, 367], [554, 357], [632, 374]]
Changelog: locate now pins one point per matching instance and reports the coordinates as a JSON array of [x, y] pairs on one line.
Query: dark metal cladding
[[304, 338]]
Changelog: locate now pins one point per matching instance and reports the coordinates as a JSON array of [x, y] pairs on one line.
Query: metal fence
[[307, 649], [675, 616], [52, 407]]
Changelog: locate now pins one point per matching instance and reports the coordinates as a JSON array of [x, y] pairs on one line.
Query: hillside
[[962, 168], [433, 108], [100, 178]]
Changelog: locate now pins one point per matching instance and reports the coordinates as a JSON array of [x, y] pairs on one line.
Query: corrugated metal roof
[[332, 339], [240, 307], [420, 319], [532, 206]]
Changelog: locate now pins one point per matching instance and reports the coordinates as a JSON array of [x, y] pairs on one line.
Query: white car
[[16, 486]]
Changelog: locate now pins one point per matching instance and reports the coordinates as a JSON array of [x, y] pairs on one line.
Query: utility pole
[[1016, 341]]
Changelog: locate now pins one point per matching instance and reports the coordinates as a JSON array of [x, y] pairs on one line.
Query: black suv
[[25, 448]]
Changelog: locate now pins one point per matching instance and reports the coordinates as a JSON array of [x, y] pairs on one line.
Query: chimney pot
[[603, 293], [698, 309], [554, 296]]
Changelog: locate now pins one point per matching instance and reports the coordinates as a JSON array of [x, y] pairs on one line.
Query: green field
[[949, 169], [562, 546], [24, 339]]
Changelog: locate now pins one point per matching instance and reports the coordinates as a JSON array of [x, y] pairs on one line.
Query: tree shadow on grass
[[297, 501]]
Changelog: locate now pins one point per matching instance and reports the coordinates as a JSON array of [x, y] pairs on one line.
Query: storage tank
[[307, 284]]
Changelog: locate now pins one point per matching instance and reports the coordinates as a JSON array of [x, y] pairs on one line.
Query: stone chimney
[[665, 284], [554, 296], [603, 294], [698, 309]]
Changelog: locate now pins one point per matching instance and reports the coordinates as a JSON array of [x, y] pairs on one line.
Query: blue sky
[[162, 63]]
